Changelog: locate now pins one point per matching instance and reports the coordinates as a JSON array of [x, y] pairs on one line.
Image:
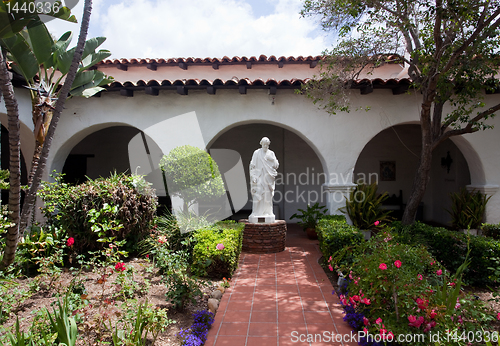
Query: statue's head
[[265, 142]]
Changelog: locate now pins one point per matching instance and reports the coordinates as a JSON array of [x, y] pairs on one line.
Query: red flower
[[397, 264], [120, 266], [415, 322], [422, 304], [70, 241], [439, 272], [383, 266]]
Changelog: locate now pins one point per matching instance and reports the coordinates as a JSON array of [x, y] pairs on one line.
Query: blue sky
[[200, 28]]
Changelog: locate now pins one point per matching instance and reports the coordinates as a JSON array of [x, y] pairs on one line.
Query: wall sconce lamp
[[446, 162]]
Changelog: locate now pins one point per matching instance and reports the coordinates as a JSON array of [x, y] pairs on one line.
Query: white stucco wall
[[336, 140]]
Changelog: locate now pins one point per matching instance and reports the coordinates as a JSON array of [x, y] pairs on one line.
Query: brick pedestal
[[264, 238]]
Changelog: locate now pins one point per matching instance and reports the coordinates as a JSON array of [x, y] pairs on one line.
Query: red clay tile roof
[[257, 83], [225, 60]]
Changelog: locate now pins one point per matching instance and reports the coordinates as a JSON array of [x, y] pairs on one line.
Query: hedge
[[334, 234], [491, 230], [211, 261], [450, 248]]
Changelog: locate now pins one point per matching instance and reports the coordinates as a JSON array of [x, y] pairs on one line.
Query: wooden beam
[[152, 91], [313, 64], [215, 66], [183, 65], [152, 67], [211, 90], [367, 89], [122, 67], [249, 65], [127, 92], [182, 90], [243, 90], [272, 90], [281, 64]]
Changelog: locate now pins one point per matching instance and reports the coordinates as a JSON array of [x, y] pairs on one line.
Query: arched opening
[[5, 162], [300, 174], [391, 159], [120, 149]]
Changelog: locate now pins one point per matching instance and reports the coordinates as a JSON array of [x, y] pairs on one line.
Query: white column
[[336, 195]]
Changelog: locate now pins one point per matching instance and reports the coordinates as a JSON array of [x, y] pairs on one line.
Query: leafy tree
[[44, 64], [192, 175], [16, 24], [449, 46]]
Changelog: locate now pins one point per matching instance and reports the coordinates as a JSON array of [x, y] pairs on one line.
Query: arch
[[65, 148], [396, 151], [301, 173], [27, 139], [274, 123]]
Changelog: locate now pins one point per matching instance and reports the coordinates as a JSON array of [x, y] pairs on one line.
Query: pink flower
[[383, 266], [397, 264], [366, 321], [419, 276], [162, 239], [439, 272], [70, 241], [415, 322], [120, 266], [433, 314], [330, 267], [376, 223], [429, 325], [220, 246], [366, 301], [378, 320], [356, 298], [422, 304], [498, 316]]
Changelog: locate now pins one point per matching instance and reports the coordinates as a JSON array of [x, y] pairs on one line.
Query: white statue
[[263, 171]]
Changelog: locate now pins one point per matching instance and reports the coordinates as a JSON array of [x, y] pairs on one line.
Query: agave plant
[[467, 209], [364, 207]]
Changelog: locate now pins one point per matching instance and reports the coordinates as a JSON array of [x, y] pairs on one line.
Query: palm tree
[[47, 102]]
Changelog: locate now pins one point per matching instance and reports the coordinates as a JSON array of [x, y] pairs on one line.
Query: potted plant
[[467, 210], [364, 208], [309, 218]]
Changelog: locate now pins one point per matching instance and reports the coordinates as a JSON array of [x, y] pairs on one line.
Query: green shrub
[[491, 230], [450, 248], [120, 206], [217, 250], [334, 235], [398, 289]]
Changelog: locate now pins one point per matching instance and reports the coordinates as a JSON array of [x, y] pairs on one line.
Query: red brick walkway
[[281, 299]]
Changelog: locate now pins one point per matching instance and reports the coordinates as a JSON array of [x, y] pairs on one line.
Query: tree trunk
[[15, 163], [420, 182], [30, 197]]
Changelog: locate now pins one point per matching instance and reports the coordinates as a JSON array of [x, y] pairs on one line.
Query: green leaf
[[93, 59], [91, 45], [40, 41], [21, 54]]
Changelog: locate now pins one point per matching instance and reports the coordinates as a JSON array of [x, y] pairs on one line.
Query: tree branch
[[467, 129]]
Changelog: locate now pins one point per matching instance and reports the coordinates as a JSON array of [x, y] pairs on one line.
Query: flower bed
[[396, 290]]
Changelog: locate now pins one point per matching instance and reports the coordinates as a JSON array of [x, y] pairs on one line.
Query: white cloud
[[200, 28]]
